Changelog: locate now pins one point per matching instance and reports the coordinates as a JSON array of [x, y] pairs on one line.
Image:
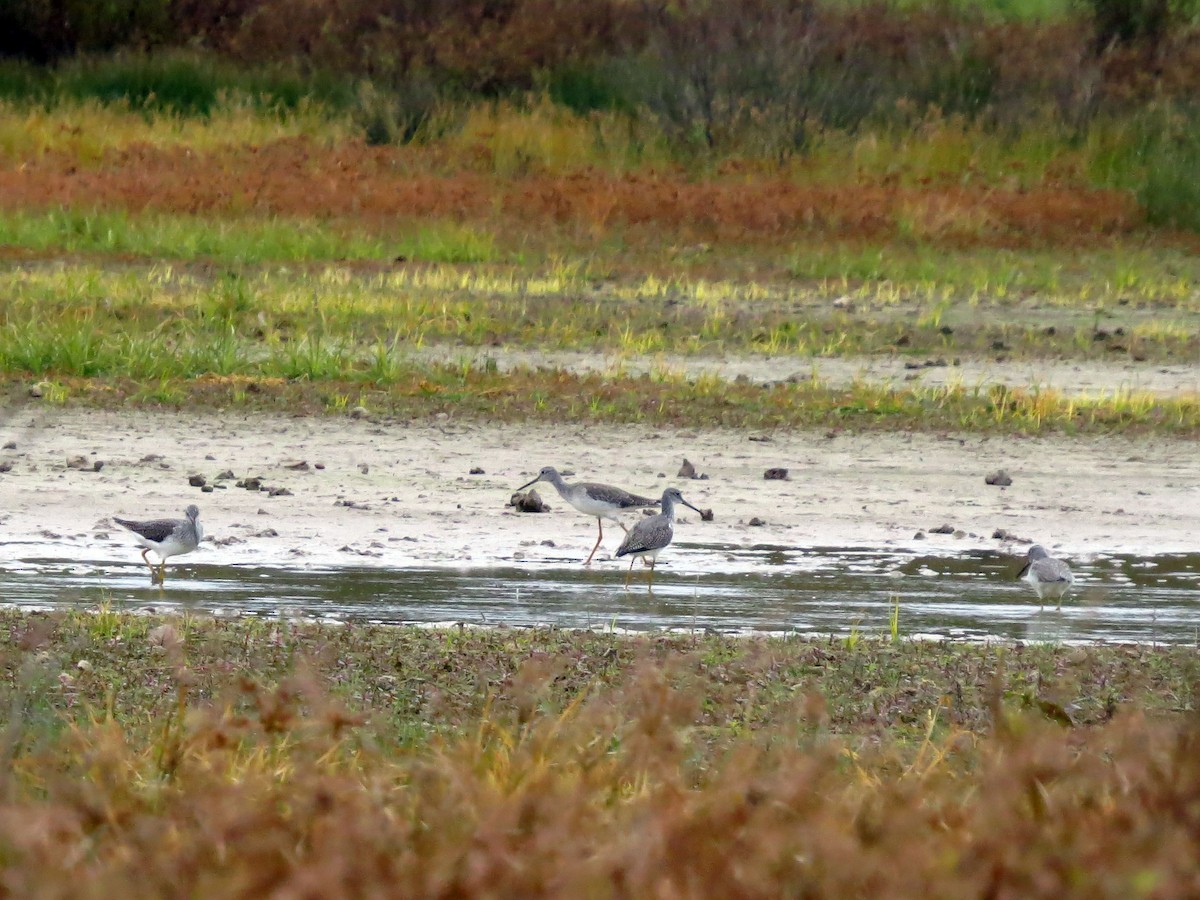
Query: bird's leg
[[650, 579], [599, 538], [629, 573], [146, 560]]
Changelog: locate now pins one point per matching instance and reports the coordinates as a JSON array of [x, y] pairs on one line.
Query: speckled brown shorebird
[[166, 537], [650, 536]]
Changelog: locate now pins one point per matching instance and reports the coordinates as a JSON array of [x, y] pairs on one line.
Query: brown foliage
[[377, 186]]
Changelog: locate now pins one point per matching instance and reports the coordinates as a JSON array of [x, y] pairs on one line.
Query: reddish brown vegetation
[[376, 186]]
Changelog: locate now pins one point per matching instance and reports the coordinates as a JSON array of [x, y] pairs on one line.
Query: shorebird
[[648, 537], [166, 537], [1050, 577], [600, 500]]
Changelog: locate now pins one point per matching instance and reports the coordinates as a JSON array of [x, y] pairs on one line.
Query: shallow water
[[765, 589]]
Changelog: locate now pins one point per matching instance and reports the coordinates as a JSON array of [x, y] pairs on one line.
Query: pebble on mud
[[756, 522], [942, 529], [776, 473], [706, 515], [999, 478], [9, 445], [5, 467], [477, 470], [687, 470], [528, 502], [197, 481]]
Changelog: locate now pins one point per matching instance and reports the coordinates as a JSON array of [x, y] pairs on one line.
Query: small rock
[[359, 412], [10, 445], [760, 438], [266, 533], [776, 474], [83, 665], [210, 457], [301, 466], [5, 467], [548, 543], [250, 484], [206, 489], [227, 475], [919, 536], [756, 522], [477, 470], [364, 468], [279, 492], [318, 465], [942, 529], [164, 636], [151, 457], [78, 462], [1000, 478], [37, 390], [528, 502], [687, 470], [197, 481], [706, 515]]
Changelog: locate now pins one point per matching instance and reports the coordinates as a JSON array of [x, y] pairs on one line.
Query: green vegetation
[[246, 241]]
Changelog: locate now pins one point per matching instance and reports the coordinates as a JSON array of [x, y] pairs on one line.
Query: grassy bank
[[152, 755]]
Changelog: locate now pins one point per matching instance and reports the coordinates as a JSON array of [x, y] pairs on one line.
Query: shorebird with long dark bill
[[1051, 578], [651, 536], [600, 500], [166, 537]]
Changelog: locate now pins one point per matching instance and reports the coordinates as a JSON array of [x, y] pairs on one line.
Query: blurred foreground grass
[[154, 756]]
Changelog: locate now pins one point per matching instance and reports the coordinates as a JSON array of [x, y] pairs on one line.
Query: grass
[[237, 241], [154, 755], [658, 399]]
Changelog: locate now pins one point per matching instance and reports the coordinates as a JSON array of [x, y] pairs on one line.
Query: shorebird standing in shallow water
[[600, 500], [650, 536], [166, 537], [1050, 577]]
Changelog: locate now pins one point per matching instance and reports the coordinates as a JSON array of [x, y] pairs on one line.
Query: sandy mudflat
[[415, 504]]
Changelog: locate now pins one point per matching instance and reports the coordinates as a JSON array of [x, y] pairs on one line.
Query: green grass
[[247, 241]]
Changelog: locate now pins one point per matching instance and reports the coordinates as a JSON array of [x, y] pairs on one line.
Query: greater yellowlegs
[[600, 500], [648, 537], [1050, 577], [166, 537]]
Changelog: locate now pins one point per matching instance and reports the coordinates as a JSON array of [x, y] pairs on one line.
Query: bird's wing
[[606, 493], [156, 530], [1052, 570], [649, 534]]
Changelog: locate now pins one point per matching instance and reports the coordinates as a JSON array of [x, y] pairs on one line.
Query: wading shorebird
[[648, 537], [166, 537], [600, 500], [1051, 578]]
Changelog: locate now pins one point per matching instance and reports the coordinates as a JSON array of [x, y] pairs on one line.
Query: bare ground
[[400, 494]]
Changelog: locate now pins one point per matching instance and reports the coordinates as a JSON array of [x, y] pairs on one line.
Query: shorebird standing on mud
[[166, 537], [600, 500]]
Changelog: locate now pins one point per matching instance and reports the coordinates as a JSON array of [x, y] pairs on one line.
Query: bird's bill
[[689, 506], [531, 484], [1024, 570]]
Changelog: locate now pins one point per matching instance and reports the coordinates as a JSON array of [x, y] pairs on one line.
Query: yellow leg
[[630, 572], [599, 538], [650, 579]]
